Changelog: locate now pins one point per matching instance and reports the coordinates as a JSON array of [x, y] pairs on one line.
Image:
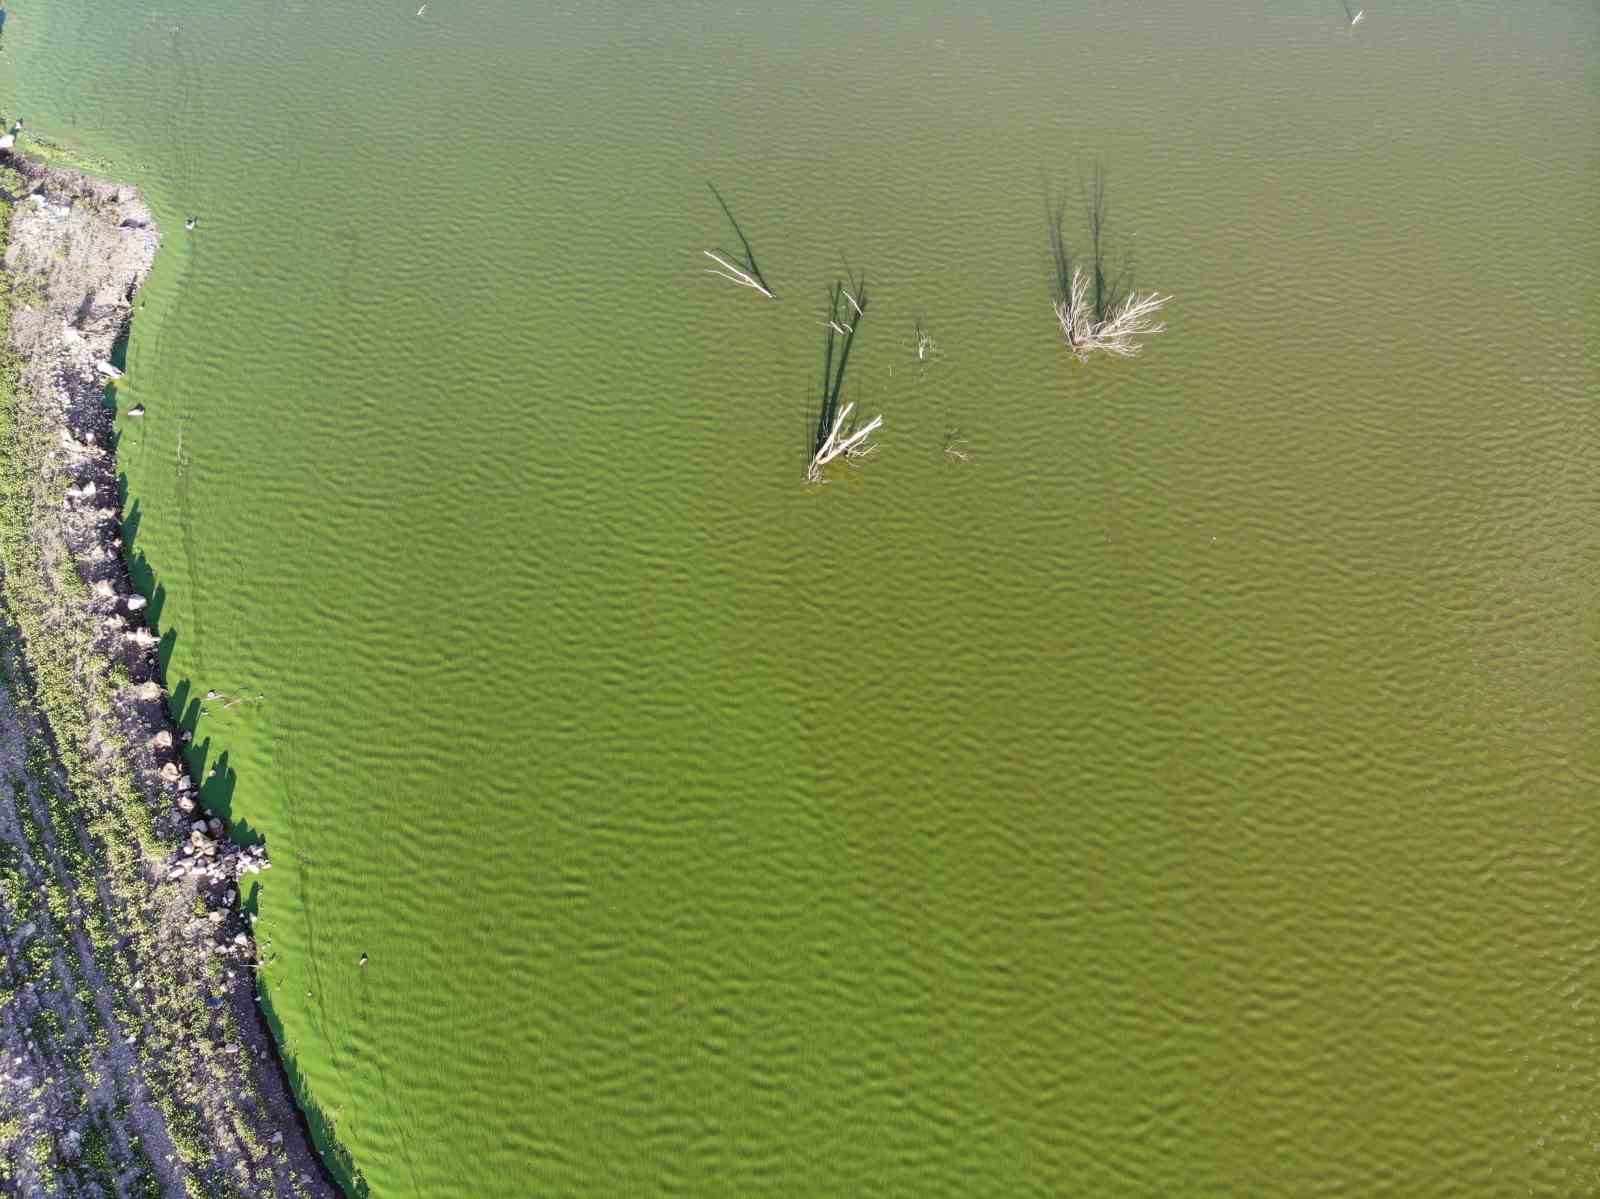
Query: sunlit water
[[1192, 793]]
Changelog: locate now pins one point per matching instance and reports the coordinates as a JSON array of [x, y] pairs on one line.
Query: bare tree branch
[[734, 275], [747, 273], [1085, 333], [844, 440]]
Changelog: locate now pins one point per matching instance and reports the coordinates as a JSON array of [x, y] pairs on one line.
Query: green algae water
[[1192, 793]]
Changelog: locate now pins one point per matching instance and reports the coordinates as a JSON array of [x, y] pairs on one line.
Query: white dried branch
[[840, 444], [1135, 317], [734, 274]]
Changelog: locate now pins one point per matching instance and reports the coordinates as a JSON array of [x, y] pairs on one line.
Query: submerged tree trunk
[[836, 434]]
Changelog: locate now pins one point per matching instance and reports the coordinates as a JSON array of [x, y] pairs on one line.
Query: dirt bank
[[134, 1059]]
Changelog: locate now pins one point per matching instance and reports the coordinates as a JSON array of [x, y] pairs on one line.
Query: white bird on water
[[1354, 21], [422, 10]]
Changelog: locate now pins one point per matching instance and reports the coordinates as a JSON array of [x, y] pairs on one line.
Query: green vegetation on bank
[[54, 152], [84, 875], [39, 897]]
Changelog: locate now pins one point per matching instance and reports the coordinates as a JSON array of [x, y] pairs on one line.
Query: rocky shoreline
[[134, 1056]]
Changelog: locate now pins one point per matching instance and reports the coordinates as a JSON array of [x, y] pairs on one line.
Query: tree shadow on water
[[321, 1131], [186, 703], [743, 269], [1108, 288], [210, 767]]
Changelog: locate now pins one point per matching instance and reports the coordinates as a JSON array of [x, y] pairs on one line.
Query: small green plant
[[96, 1148]]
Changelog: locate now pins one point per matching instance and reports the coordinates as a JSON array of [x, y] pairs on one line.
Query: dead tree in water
[[747, 273], [1096, 309], [837, 433]]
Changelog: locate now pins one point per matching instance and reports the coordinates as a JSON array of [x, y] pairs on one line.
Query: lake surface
[[1193, 793]]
